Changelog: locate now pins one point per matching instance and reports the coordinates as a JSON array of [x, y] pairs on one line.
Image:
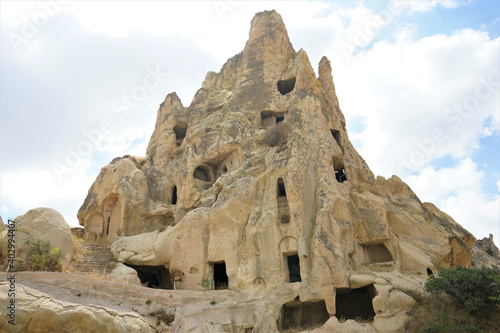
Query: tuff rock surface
[[258, 174], [44, 223]]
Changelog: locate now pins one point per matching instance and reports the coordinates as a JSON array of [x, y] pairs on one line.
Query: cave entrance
[[376, 253], [283, 208], [292, 270], [221, 281], [180, 133], [338, 167], [270, 118], [302, 315], [286, 86], [336, 136], [355, 303], [156, 277], [203, 173], [174, 195]]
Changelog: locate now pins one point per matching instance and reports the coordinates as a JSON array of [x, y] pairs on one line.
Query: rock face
[[39, 312], [44, 223], [256, 187], [485, 253]]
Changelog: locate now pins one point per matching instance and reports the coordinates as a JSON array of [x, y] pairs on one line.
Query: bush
[[41, 256], [474, 288], [276, 135]]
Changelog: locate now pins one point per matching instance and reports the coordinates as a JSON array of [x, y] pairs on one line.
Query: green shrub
[[205, 283], [474, 288], [41, 256]]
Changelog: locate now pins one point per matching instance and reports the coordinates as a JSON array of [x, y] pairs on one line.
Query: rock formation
[[485, 253], [44, 223], [256, 187]]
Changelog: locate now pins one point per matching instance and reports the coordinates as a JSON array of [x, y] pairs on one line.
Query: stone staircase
[[94, 258]]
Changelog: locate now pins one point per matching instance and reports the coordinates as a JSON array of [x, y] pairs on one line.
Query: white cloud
[[457, 191], [410, 89], [421, 6], [23, 191]]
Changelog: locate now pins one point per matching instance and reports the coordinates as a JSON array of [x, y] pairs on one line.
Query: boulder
[[44, 223]]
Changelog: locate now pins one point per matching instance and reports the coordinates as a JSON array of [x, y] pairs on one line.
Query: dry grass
[[442, 314]]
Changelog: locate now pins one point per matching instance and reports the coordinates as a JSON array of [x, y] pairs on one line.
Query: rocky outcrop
[[485, 253], [35, 311], [44, 223], [256, 187]]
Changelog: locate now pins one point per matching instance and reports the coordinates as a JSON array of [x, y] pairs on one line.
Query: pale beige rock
[[39, 313], [44, 223], [124, 274], [251, 174]]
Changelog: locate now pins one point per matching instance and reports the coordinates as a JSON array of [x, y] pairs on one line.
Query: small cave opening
[[336, 136], [377, 253], [338, 167], [174, 195], [221, 280], [180, 133], [156, 277], [355, 303], [283, 208], [203, 173], [279, 119], [302, 315], [281, 188], [429, 272], [293, 268], [286, 86]]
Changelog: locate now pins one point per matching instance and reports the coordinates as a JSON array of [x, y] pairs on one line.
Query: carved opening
[[429, 272], [286, 86], [174, 195], [270, 118], [111, 216], [355, 303], [180, 133], [203, 173], [376, 253], [221, 281], [336, 136], [338, 167], [283, 208], [207, 173], [157, 277], [292, 269], [302, 315]]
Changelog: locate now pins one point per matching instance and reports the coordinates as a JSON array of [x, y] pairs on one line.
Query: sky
[[417, 81]]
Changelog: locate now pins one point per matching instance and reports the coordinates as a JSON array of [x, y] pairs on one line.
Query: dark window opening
[[203, 173], [174, 195], [302, 315], [355, 303], [336, 136], [429, 272], [293, 264], [280, 119], [340, 175], [157, 277], [286, 86], [180, 134], [221, 281], [281, 188], [377, 253], [283, 208]]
